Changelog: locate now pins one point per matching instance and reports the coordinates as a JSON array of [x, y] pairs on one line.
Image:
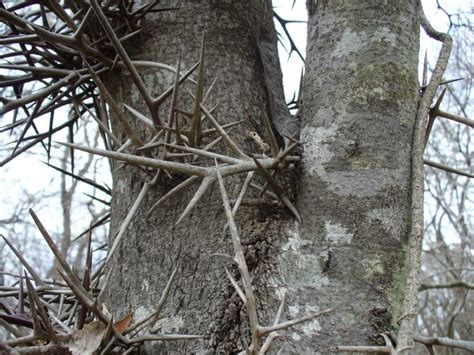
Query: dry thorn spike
[[265, 330], [270, 134], [278, 190], [59, 257], [242, 265], [207, 154], [34, 300], [424, 81], [152, 107], [24, 262], [153, 316], [241, 195], [236, 286], [195, 134], [205, 185], [113, 105], [226, 170], [188, 182], [447, 168], [432, 115], [129, 217], [140, 116], [273, 335], [232, 145]]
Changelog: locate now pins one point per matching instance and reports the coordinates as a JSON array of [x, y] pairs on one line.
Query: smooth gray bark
[[359, 105]]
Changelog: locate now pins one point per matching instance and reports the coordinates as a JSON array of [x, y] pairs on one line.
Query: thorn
[[236, 286], [278, 190], [424, 80], [195, 134], [205, 184]]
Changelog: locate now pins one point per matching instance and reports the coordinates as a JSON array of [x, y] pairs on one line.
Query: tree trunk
[[359, 103]]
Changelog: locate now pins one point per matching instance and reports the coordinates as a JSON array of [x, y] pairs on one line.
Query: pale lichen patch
[[363, 183], [311, 327], [145, 285], [169, 324], [293, 311], [336, 233], [356, 42], [141, 312], [299, 270], [120, 187], [316, 153], [294, 242], [350, 42]]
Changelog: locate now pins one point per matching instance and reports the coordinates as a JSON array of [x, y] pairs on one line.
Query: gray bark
[[202, 300], [359, 100], [359, 107]]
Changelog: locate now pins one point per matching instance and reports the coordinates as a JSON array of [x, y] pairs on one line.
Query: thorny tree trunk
[[360, 97]]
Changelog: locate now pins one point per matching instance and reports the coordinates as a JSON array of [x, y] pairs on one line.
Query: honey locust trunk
[[359, 102], [201, 301]]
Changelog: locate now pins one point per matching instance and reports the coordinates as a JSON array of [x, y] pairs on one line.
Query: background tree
[[358, 185], [446, 282]]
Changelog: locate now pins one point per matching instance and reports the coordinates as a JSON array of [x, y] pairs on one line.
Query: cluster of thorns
[[62, 50]]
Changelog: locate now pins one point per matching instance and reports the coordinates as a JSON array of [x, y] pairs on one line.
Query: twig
[[447, 168], [404, 341]]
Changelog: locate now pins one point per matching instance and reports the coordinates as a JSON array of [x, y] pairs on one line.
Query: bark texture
[[202, 300], [359, 99], [359, 107]]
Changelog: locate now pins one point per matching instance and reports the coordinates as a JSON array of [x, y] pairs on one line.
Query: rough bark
[[359, 99], [202, 300]]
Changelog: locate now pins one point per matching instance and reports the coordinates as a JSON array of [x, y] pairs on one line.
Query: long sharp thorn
[[86, 280], [188, 182], [24, 262], [139, 115], [209, 91], [195, 136], [424, 81], [278, 190], [21, 299], [156, 314], [205, 184], [270, 134], [126, 60], [447, 168], [113, 105], [439, 100], [284, 325], [34, 299], [236, 286], [169, 91], [232, 145], [292, 208], [37, 329], [433, 114], [174, 98], [139, 160], [128, 219], [59, 257], [166, 291]]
